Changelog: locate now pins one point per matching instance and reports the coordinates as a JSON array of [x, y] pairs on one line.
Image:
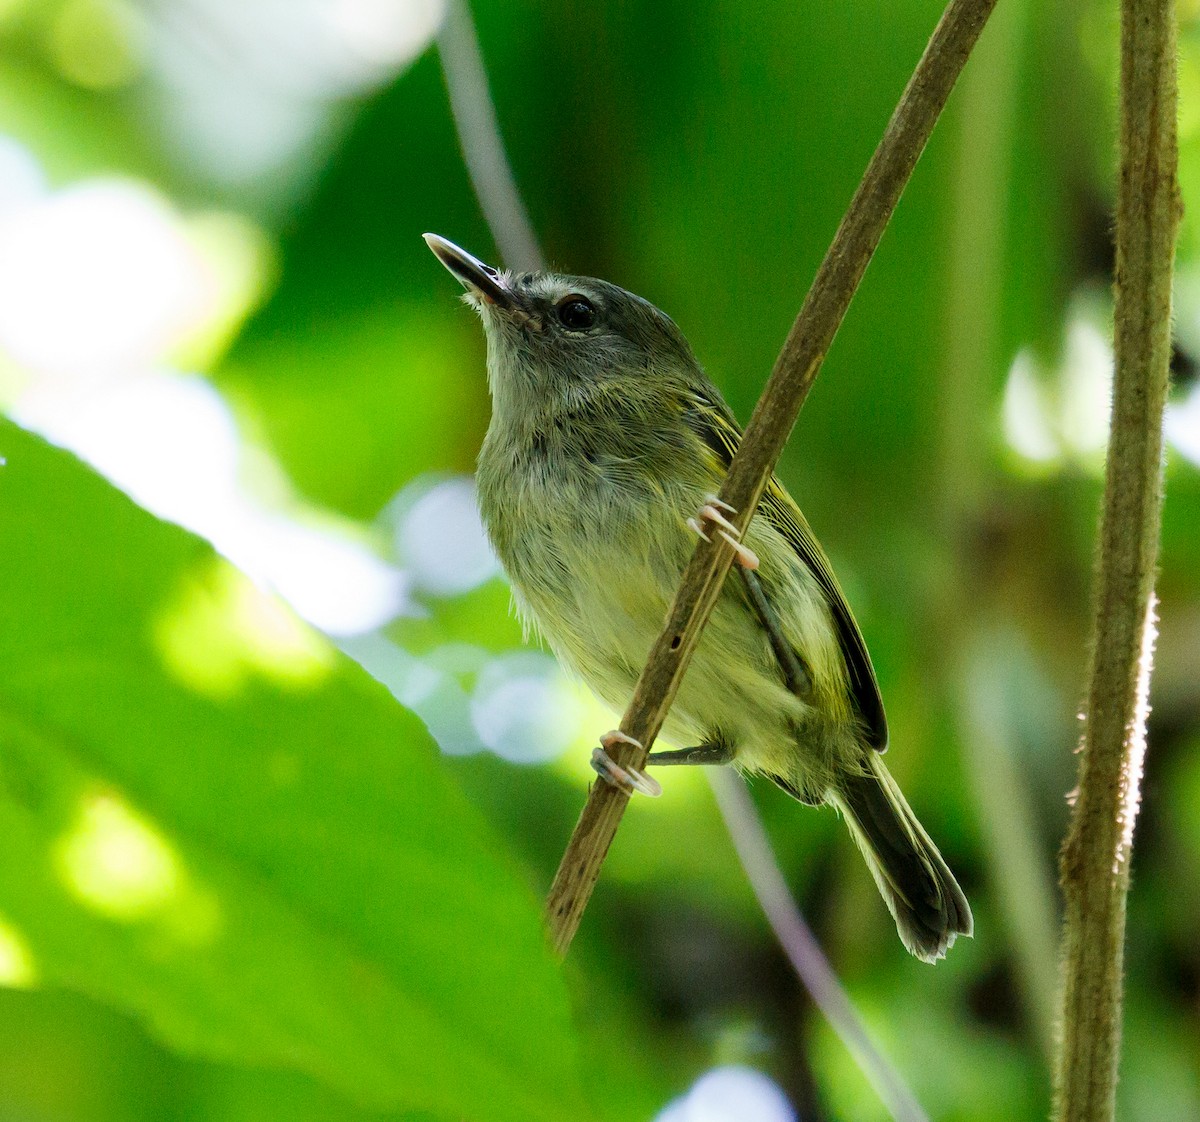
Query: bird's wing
[[713, 421]]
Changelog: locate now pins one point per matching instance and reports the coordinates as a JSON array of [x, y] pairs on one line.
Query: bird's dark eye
[[577, 313]]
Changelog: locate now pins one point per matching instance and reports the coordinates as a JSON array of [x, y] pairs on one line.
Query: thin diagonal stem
[[493, 181], [800, 945], [795, 370], [482, 146]]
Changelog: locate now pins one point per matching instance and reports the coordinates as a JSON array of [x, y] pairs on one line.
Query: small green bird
[[606, 446]]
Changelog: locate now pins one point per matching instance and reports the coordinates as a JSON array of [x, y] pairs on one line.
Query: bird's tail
[[929, 908]]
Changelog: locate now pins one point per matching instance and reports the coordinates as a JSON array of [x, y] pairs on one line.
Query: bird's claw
[[713, 511], [627, 779]]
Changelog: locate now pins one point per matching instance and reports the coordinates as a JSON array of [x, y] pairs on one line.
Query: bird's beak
[[474, 275]]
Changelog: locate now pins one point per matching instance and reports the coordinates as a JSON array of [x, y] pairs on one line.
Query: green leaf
[[214, 821]]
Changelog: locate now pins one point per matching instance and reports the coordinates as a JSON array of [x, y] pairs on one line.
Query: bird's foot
[[627, 779], [713, 513]]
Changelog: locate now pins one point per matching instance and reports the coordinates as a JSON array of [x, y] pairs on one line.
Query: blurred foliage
[[292, 883], [371, 912]]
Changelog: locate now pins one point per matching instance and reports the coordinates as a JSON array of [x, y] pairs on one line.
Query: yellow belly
[[602, 616]]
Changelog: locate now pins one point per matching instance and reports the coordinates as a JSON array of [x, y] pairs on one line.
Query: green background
[[335, 920]]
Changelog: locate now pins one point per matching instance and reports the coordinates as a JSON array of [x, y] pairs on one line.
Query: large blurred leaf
[[214, 821]]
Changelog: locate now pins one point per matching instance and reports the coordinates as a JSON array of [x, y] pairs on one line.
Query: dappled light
[[17, 967], [222, 632], [116, 862]]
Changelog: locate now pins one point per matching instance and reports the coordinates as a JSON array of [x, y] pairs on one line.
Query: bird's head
[[550, 335]]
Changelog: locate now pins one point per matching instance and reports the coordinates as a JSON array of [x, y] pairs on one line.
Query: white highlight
[[170, 442], [1182, 425], [1025, 412], [97, 278], [522, 710], [250, 93], [440, 537], [1050, 416], [21, 179], [1135, 736], [99, 283], [1087, 381], [730, 1094]]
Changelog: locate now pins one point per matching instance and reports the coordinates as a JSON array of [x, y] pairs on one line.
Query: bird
[[606, 447]]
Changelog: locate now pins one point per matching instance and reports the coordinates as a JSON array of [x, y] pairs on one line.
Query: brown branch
[[795, 369], [1096, 856]]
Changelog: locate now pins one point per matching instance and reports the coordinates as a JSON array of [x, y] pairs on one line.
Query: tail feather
[[929, 908]]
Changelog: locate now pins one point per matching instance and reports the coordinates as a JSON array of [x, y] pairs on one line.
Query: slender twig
[[795, 370], [479, 134], [1096, 856], [794, 935]]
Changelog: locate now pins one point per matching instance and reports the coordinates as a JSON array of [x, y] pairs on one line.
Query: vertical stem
[[1095, 858]]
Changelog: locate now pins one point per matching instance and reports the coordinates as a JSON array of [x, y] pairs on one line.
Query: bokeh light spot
[[730, 1094], [381, 32], [424, 685], [241, 260], [1059, 414], [1026, 413], [1087, 387], [222, 630], [116, 862], [98, 277], [258, 114], [21, 178], [440, 538], [98, 44], [523, 710], [17, 969], [1182, 425]]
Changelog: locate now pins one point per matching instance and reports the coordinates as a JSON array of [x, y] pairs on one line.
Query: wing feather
[[713, 421]]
